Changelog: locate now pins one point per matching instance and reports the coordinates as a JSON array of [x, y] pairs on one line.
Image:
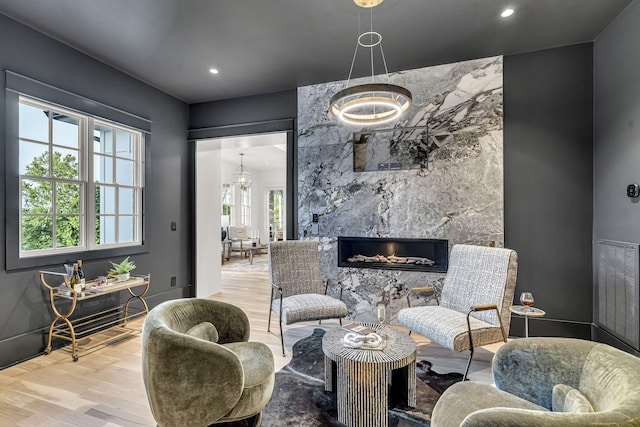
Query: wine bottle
[[75, 279], [81, 274]]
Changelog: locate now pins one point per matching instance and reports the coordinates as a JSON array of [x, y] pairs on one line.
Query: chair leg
[[340, 321], [466, 372], [281, 337], [269, 322]]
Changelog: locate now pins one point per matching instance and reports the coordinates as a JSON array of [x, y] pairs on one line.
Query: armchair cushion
[[303, 307], [565, 398], [238, 233], [448, 327], [205, 331]]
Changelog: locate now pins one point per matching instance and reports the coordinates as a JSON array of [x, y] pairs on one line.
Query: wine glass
[[382, 313], [526, 299]]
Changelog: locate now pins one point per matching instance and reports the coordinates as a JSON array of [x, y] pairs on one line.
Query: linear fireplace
[[394, 253]]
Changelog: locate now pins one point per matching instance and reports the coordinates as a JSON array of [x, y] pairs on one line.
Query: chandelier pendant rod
[[371, 48], [373, 78]]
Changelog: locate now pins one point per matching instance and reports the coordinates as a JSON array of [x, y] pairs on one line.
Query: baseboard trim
[[545, 327], [600, 335], [20, 348]]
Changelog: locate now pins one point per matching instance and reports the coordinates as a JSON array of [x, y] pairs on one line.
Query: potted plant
[[121, 271]]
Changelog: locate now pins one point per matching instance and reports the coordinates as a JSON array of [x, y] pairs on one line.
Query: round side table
[[363, 378], [526, 312]]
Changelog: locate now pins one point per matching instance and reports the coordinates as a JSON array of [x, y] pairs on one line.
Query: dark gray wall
[[257, 109], [548, 100], [24, 311], [616, 152], [617, 129]]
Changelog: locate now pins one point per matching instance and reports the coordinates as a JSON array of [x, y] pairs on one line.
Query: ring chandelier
[[373, 103]]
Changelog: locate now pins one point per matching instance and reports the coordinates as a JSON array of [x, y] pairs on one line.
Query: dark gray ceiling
[[263, 46]]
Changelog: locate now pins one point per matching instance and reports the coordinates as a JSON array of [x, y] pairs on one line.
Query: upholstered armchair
[[239, 236], [198, 366], [474, 305], [298, 293], [548, 382]]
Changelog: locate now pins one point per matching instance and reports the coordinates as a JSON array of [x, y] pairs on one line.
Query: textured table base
[[364, 378]]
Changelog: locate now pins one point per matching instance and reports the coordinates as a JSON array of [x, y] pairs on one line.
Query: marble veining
[[458, 195]]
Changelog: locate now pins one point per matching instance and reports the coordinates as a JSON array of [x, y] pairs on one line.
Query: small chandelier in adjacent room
[[241, 176], [372, 103]]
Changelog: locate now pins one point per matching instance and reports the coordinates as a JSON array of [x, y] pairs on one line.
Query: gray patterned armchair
[[548, 382], [298, 293], [474, 306], [199, 367]]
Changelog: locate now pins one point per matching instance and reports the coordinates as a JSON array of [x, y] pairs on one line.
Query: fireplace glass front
[[430, 255]]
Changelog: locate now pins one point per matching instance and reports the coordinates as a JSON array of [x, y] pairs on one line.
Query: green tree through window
[[38, 215]]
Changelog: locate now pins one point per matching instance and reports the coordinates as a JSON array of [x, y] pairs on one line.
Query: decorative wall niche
[[390, 149]]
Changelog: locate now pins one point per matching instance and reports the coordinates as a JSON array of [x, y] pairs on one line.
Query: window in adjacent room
[[245, 205], [275, 212], [227, 205], [80, 181]]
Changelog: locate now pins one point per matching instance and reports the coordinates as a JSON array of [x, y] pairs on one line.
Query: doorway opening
[[241, 184]]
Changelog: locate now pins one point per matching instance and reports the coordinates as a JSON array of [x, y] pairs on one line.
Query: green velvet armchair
[[198, 366], [548, 382]]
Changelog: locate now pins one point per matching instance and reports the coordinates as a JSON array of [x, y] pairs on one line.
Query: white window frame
[[87, 211], [245, 209]]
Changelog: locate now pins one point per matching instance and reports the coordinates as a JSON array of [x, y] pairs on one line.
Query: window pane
[[124, 172], [102, 139], [105, 200], [37, 196], [65, 163], [65, 130], [34, 159], [37, 233], [107, 229], [124, 144], [68, 198], [67, 231], [102, 169], [126, 229], [126, 201], [33, 123]]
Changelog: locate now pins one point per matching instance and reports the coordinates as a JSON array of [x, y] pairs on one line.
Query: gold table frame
[[72, 330]]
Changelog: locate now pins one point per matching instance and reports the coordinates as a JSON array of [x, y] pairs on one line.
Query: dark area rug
[[299, 398]]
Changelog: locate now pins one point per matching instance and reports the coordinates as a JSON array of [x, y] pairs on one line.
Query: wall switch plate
[[174, 227], [173, 281]]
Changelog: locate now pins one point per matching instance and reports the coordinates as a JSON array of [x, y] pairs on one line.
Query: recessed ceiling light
[[213, 71], [507, 12]]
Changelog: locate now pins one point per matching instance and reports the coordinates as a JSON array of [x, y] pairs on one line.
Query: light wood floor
[[105, 388]]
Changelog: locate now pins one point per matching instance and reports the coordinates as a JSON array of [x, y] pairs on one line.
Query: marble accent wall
[[458, 196]]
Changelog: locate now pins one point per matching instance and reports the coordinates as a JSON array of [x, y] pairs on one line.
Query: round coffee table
[[362, 379]]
